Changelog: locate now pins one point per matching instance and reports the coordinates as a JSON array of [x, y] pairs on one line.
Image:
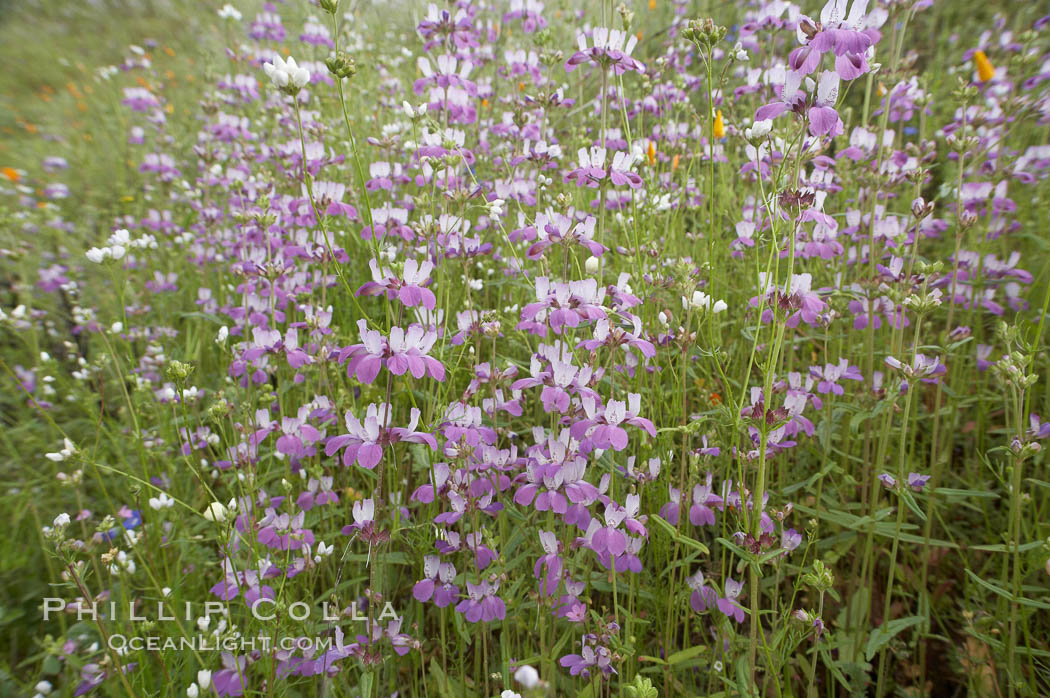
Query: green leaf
[[950, 492], [912, 504], [829, 662], [1038, 483], [885, 529], [51, 666], [447, 688], [586, 692], [461, 628], [998, 645], [367, 678], [881, 636], [602, 585], [679, 538], [200, 316], [560, 644], [743, 678], [1004, 548], [808, 484], [687, 654], [998, 590], [856, 420]]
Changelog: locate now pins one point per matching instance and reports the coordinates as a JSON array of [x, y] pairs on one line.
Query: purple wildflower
[[437, 582], [481, 603], [729, 605], [366, 439]]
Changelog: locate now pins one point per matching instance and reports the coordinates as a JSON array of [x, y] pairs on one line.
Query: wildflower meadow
[[525, 348]]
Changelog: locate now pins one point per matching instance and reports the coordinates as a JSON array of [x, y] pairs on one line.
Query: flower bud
[[758, 130], [216, 512], [920, 208], [527, 676], [341, 65], [179, 371]]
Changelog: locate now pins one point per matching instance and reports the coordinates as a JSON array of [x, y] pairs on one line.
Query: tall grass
[[580, 379]]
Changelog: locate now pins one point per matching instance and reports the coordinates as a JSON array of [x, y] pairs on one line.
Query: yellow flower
[[985, 70], [720, 126], [11, 173], [651, 152], [652, 4]]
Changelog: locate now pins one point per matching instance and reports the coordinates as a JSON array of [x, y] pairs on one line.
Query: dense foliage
[[520, 347]]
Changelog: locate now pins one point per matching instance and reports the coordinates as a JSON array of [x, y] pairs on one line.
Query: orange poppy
[[985, 69]]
